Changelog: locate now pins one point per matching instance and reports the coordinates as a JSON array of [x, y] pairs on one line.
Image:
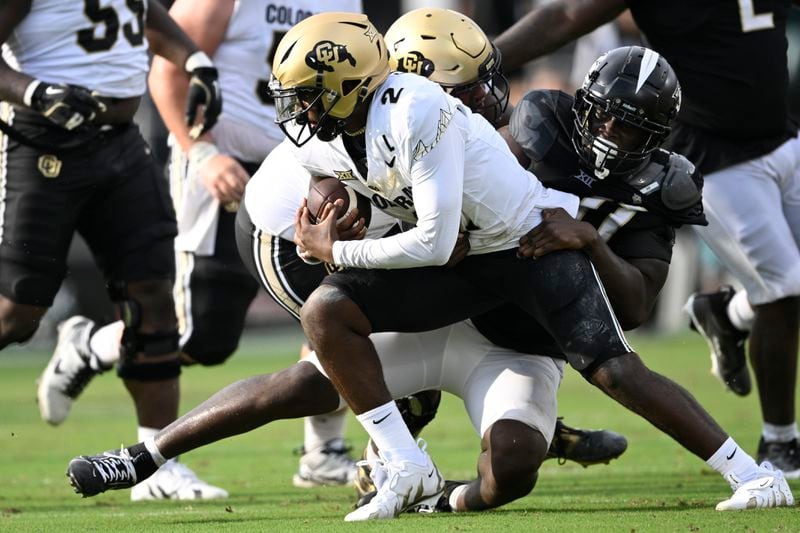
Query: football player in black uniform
[[559, 289], [748, 155], [71, 159]]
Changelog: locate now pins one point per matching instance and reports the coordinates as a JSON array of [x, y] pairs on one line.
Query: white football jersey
[[433, 162], [100, 45], [247, 126]]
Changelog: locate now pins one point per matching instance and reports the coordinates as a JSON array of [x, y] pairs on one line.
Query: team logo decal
[[344, 175], [416, 63], [326, 54], [49, 165]]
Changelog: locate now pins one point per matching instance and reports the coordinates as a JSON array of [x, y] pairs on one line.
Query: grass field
[[655, 486]]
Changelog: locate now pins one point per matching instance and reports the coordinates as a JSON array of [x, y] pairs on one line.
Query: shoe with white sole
[[70, 369], [329, 465], [401, 486], [175, 481], [768, 490]]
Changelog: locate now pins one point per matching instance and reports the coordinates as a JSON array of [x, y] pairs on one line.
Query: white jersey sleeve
[[275, 191], [415, 149]]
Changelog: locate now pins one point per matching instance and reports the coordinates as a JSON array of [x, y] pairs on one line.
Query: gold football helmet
[[323, 68], [450, 49]]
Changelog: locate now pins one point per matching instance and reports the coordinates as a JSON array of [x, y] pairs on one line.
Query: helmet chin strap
[[603, 151]]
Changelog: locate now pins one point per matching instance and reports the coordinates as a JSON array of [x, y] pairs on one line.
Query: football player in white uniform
[[72, 77], [444, 169], [207, 177]]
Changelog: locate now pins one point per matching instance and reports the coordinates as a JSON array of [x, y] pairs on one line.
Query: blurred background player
[[75, 162], [213, 291], [754, 226]]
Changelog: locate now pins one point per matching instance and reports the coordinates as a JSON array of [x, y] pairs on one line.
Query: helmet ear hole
[[349, 86]]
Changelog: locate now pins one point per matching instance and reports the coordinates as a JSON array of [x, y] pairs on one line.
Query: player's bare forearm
[[168, 86], [552, 25], [631, 285], [165, 36]]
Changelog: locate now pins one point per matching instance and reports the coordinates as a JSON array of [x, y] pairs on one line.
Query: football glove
[[68, 106], [203, 91]]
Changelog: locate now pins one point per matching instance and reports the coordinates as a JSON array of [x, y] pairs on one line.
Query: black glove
[[203, 91], [69, 106]]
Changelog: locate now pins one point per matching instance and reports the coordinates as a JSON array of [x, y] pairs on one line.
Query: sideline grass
[[655, 486]]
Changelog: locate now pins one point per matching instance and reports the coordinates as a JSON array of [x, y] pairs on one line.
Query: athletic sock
[[148, 435], [321, 429], [740, 312], [385, 426], [452, 500], [105, 344], [143, 461], [773, 433], [735, 465]]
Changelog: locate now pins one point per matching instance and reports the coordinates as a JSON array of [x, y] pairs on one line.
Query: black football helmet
[[638, 89]]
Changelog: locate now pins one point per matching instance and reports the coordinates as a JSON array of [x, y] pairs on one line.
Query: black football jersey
[[626, 211], [730, 58]]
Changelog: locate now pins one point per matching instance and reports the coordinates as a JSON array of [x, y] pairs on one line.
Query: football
[[328, 190]]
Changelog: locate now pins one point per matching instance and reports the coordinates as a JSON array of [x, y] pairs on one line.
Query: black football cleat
[[709, 317], [585, 446], [90, 475], [783, 456]]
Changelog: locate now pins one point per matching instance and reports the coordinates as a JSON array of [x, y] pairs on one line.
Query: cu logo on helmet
[[415, 63], [326, 54]]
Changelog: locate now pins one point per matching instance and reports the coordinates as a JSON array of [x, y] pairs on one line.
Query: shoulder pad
[[673, 176], [532, 123], [682, 185]]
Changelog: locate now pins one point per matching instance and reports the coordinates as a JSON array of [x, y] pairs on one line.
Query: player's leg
[[273, 261], [575, 311], [212, 295], [132, 241], [511, 399], [324, 456], [299, 390], [43, 195], [339, 328], [762, 249]]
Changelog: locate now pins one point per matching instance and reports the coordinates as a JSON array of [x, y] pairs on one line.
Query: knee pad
[[210, 349], [419, 409], [149, 345]]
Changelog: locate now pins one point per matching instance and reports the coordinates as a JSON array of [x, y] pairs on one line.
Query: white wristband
[[27, 97], [197, 60], [201, 152]]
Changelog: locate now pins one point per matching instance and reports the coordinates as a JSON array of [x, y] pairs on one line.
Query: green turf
[[655, 486]]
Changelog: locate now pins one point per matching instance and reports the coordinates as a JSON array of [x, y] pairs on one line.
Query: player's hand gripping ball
[[328, 190]]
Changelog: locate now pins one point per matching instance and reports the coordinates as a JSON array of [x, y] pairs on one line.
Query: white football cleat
[[405, 485], [768, 490], [70, 369], [329, 465], [175, 481]]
